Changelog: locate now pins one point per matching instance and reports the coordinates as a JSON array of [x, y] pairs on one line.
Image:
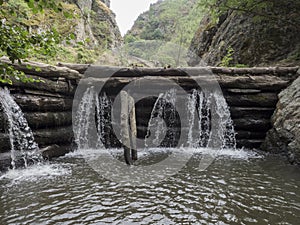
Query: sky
[[127, 11]]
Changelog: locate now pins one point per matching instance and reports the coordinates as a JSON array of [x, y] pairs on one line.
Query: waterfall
[[84, 117], [102, 106], [208, 119], [20, 134], [91, 109], [164, 107]]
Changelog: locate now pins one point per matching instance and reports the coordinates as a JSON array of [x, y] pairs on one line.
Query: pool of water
[[237, 188]]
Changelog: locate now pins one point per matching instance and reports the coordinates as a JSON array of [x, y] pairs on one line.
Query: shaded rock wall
[[284, 137], [255, 42]]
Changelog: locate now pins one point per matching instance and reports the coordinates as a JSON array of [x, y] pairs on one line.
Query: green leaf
[[29, 67], [67, 15], [30, 4], [72, 36]]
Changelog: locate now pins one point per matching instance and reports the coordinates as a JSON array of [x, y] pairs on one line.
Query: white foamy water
[[20, 135], [37, 172], [240, 154]]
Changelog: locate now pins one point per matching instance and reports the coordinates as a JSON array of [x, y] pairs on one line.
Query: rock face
[[254, 42], [284, 136], [97, 22], [106, 2]]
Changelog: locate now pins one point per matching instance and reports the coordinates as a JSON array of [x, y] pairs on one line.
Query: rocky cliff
[[254, 40], [284, 136], [97, 22]]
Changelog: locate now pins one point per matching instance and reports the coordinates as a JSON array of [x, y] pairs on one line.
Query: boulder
[[284, 135]]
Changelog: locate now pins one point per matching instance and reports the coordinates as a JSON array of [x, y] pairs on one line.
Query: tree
[[17, 42], [273, 10]]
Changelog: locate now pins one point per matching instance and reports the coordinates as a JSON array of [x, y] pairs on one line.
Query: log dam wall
[[251, 94]]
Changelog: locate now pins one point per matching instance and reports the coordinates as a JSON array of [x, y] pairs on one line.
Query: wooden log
[[138, 72], [43, 137], [38, 103], [250, 124], [3, 122], [133, 130], [256, 70], [125, 134], [4, 143], [81, 68], [37, 120], [244, 134], [254, 112], [62, 135], [44, 70], [262, 82], [250, 143], [57, 87], [48, 152], [243, 91], [54, 151], [5, 161], [265, 83], [252, 100]]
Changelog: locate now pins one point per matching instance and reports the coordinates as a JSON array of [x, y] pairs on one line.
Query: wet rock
[[53, 151]]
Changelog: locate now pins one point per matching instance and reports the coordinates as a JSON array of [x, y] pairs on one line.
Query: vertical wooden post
[[128, 127], [133, 130]]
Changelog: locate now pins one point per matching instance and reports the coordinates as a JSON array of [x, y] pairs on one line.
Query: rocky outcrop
[[284, 136], [97, 23], [106, 2], [255, 40]]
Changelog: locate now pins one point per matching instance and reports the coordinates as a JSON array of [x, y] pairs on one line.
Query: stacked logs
[[251, 93], [47, 106]]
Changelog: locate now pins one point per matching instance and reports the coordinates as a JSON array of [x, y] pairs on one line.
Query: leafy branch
[[17, 42]]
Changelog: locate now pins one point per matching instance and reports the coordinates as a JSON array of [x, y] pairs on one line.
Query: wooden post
[[128, 127], [133, 130]]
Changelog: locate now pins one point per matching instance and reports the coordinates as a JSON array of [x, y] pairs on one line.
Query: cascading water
[[164, 107], [90, 107], [20, 135], [202, 132], [84, 118], [102, 105]]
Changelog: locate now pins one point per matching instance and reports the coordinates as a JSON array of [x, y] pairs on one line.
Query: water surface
[[239, 188]]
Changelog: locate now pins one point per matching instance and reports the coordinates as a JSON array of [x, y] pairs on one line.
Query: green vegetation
[[18, 41], [165, 31], [225, 62], [44, 30]]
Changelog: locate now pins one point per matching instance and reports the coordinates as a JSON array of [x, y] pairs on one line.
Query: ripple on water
[[233, 190]]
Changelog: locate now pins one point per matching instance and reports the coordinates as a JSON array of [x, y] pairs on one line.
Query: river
[[239, 187]]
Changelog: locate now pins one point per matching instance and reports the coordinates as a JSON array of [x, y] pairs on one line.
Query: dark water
[[233, 190]]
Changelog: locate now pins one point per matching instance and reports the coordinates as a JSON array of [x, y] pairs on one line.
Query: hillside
[[164, 32], [88, 27]]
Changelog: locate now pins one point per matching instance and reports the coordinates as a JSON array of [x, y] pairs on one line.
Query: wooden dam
[[251, 94]]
